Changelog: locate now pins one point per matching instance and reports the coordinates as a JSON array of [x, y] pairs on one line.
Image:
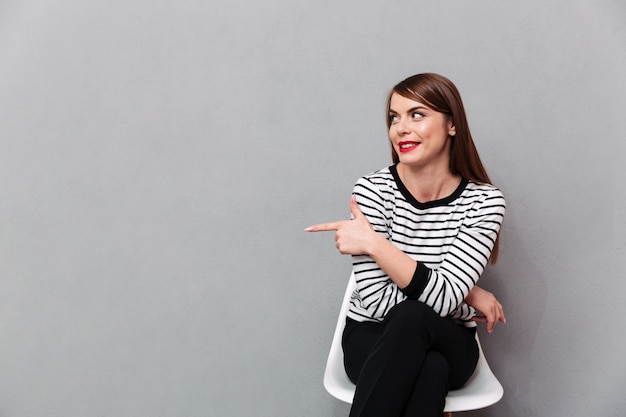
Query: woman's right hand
[[352, 237]]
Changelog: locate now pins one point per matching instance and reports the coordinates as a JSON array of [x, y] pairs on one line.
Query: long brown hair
[[440, 94]]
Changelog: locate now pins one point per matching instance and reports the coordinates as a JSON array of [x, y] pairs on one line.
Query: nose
[[402, 126]]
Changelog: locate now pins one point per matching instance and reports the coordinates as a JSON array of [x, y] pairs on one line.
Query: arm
[[445, 288], [358, 237], [467, 255]]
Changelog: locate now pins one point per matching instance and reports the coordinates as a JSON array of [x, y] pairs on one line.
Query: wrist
[[469, 299], [376, 245]]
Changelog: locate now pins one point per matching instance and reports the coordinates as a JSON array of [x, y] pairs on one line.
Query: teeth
[[407, 145]]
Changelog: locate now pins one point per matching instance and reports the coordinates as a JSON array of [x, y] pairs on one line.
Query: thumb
[[354, 208]]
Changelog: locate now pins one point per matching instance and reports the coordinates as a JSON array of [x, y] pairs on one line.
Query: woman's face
[[419, 134]]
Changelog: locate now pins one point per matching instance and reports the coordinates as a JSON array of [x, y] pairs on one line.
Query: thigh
[[357, 342], [456, 343]]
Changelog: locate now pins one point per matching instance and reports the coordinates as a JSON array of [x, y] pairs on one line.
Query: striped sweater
[[451, 239]]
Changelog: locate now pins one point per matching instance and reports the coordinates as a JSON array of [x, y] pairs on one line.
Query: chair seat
[[482, 390]]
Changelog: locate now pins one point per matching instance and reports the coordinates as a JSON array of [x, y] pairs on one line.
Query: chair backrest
[[482, 390]]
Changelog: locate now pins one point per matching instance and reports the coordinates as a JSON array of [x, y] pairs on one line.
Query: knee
[[410, 317], [410, 312]]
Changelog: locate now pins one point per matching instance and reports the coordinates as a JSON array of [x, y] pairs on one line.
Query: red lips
[[407, 146]]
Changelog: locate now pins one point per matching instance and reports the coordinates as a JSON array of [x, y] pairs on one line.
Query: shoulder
[[381, 180], [376, 190], [483, 192], [378, 175], [483, 200]]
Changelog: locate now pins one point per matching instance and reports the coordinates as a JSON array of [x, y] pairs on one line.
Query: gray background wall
[[159, 160]]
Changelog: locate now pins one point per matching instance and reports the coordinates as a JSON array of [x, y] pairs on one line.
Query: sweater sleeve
[[468, 254]]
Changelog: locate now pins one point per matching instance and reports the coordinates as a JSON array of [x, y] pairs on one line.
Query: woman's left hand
[[487, 304], [352, 237]]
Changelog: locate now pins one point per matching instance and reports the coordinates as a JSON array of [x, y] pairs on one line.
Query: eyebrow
[[412, 109]]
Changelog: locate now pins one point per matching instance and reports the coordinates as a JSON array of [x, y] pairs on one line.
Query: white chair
[[482, 390]]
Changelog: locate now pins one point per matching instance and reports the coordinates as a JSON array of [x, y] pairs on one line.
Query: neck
[[428, 183]]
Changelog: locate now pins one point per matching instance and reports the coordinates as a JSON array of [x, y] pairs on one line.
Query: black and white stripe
[[452, 237]]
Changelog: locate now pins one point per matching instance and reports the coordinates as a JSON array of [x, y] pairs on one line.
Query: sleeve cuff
[[418, 282]]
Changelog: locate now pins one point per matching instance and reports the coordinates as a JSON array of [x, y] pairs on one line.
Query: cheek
[[422, 131]]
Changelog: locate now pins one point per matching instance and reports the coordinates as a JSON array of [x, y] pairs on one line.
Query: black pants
[[404, 366]]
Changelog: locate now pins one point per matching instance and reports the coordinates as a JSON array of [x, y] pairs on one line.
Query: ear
[[452, 130]]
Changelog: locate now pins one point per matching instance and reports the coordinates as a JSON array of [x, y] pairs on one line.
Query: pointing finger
[[324, 227]]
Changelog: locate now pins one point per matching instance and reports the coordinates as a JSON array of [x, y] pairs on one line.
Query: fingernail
[[309, 229]]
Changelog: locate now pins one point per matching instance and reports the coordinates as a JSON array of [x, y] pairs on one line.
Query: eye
[[393, 118], [417, 115]]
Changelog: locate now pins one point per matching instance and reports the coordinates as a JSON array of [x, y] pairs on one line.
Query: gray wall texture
[[160, 159]]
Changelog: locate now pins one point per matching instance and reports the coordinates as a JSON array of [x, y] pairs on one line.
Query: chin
[[409, 159]]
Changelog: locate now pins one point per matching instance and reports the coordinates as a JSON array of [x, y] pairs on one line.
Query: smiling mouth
[[407, 146]]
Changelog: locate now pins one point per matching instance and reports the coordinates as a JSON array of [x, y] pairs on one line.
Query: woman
[[422, 232]]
